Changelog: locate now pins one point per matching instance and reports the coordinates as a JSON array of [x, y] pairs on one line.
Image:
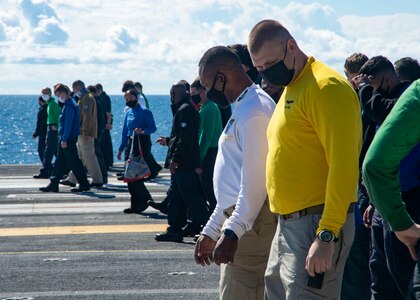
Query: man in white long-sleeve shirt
[[239, 232]]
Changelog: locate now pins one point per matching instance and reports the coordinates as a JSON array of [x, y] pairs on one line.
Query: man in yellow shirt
[[314, 141]]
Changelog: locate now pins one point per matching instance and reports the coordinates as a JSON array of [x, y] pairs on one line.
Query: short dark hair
[[91, 89], [61, 88], [186, 83], [377, 65], [242, 51], [99, 87], [138, 84], [78, 83], [197, 84], [218, 58], [127, 85], [264, 31], [408, 69], [354, 62]]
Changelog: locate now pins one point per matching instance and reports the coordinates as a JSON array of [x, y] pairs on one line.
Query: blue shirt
[[69, 120], [137, 117]]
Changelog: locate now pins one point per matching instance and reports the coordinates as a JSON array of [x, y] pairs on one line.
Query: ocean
[[18, 122]]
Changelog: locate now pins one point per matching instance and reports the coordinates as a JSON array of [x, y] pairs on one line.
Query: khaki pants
[[86, 150], [244, 279], [286, 276]]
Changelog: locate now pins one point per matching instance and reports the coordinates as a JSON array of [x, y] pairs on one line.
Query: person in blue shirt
[[67, 151], [138, 123]]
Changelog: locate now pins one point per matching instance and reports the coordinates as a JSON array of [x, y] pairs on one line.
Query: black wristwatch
[[326, 236], [230, 234]]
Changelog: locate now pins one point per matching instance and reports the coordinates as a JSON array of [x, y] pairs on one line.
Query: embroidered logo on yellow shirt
[[288, 104]]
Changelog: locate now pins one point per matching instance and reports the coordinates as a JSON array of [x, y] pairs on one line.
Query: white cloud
[[160, 42]]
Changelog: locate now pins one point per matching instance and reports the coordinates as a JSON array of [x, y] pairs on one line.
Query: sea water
[[18, 122]]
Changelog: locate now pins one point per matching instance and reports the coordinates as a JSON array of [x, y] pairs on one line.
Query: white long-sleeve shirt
[[239, 172]]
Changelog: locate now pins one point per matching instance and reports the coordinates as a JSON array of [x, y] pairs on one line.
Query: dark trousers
[[414, 289], [137, 189], [207, 177], [68, 157], [50, 152], [185, 199], [100, 156], [146, 146], [391, 265], [356, 278], [41, 146], [107, 150]]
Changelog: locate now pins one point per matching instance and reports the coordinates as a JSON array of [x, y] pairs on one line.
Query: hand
[[63, 144], [368, 215], [224, 251], [162, 141], [410, 237], [173, 166], [108, 126], [204, 250], [139, 131], [199, 171], [360, 80], [319, 257], [119, 155]]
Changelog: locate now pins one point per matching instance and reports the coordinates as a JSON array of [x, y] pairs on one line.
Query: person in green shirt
[[53, 117], [398, 137], [208, 135]]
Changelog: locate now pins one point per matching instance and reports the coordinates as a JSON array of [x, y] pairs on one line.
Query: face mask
[[61, 99], [278, 74], [45, 97], [218, 97], [196, 99], [382, 91], [131, 104], [252, 73]]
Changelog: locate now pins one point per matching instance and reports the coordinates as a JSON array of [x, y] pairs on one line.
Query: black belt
[[313, 210]]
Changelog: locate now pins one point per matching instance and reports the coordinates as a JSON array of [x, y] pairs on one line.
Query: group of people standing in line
[[76, 131], [307, 190]]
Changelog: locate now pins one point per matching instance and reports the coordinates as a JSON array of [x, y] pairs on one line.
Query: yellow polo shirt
[[314, 140]]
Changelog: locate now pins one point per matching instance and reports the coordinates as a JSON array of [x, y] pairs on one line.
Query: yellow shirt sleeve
[[335, 116]]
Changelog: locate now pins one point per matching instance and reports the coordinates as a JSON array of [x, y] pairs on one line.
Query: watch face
[[326, 236]]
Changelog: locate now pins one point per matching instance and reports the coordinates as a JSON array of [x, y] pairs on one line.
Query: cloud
[[44, 22], [157, 43], [121, 38]]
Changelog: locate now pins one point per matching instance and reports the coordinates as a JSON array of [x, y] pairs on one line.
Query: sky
[[159, 42]]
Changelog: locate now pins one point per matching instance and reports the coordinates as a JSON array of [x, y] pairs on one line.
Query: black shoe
[[189, 231], [49, 188], [41, 176], [168, 236], [80, 189], [68, 183], [119, 173], [128, 211], [94, 185], [160, 206], [120, 177], [105, 180]]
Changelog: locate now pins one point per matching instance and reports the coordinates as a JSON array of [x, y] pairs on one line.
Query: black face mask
[[218, 97], [278, 74], [196, 99], [382, 91], [131, 104]]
